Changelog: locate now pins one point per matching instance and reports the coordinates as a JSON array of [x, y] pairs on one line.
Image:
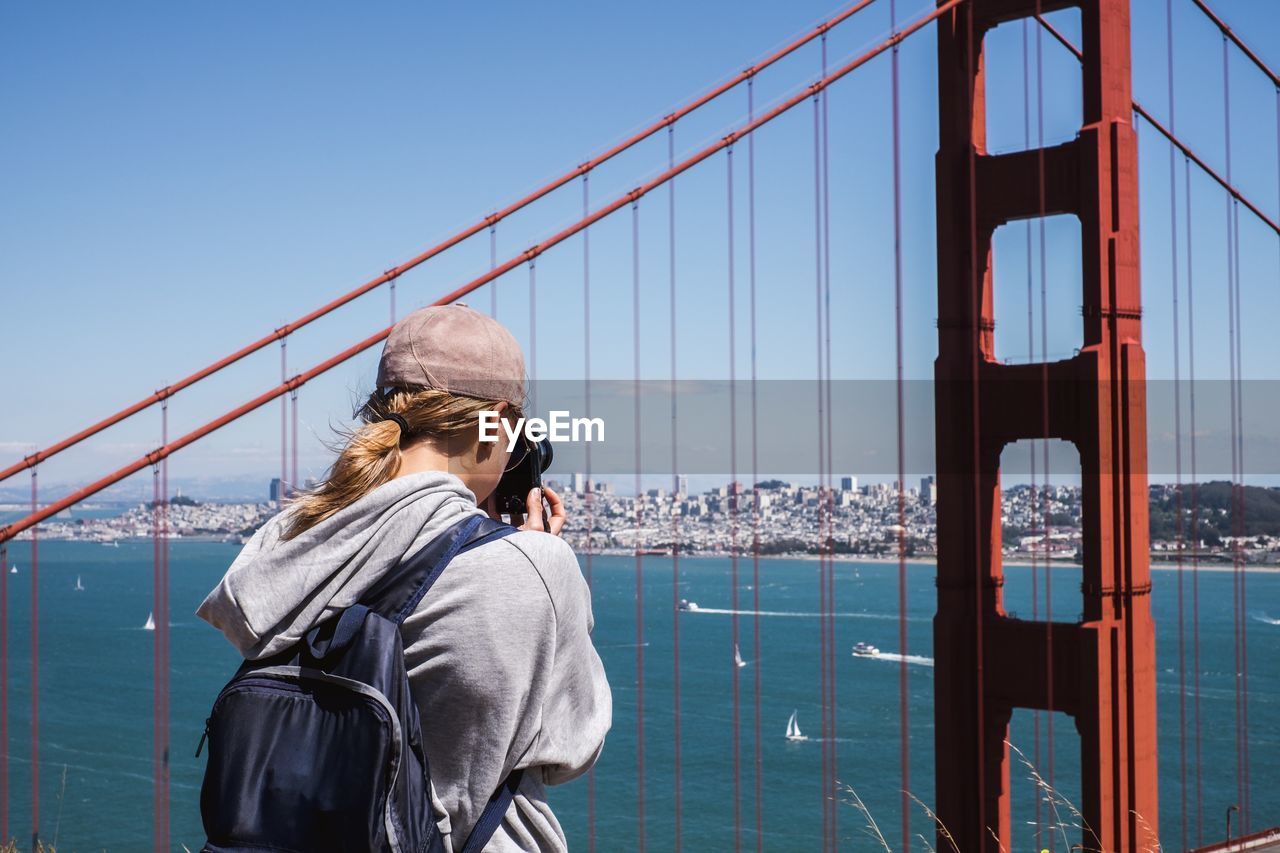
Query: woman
[[499, 652]]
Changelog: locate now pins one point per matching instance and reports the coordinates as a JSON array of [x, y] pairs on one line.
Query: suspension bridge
[[1097, 672]]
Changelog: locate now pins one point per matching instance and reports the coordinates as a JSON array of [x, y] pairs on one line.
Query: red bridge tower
[[1100, 671]]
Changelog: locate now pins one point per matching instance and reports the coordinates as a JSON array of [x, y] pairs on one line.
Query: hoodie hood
[[277, 590]]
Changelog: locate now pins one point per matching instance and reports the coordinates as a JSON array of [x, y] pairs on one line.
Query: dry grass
[[872, 828], [1049, 795]]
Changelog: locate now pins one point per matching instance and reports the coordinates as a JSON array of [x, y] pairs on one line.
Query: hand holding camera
[[520, 492]]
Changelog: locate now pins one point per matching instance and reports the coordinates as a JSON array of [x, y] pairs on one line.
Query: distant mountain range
[[138, 488]]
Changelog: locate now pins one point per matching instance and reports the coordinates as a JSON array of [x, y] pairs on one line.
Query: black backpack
[[319, 748]]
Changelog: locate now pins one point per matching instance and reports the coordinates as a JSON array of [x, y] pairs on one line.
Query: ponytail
[[371, 453]]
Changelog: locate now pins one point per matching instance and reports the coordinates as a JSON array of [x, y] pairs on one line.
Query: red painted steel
[[487, 223], [1235, 39], [987, 662], [10, 530]]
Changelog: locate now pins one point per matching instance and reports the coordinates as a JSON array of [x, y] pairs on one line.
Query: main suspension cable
[[488, 221], [9, 531]]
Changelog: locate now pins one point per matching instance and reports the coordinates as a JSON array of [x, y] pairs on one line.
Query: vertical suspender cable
[[824, 479], [825, 492], [1177, 432], [533, 334], [975, 287], [1031, 449], [493, 262], [293, 441], [733, 519], [161, 608], [755, 473], [1235, 462], [284, 420], [822, 587], [1044, 397], [904, 730], [1244, 574], [35, 669], [1194, 520], [676, 496], [635, 314], [4, 691], [156, 560], [590, 493]]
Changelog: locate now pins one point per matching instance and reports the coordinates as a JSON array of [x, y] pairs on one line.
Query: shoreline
[[1161, 565], [1217, 566]]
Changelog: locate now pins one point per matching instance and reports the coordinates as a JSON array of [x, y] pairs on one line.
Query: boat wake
[[1259, 616], [919, 660], [798, 614]]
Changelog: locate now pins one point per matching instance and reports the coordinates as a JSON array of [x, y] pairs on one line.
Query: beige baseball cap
[[457, 349]]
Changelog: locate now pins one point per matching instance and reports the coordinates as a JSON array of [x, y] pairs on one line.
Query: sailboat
[[79, 587], [151, 622], [13, 570], [737, 657], [793, 729]]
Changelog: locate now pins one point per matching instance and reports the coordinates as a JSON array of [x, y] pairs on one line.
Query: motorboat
[[865, 650], [688, 606]]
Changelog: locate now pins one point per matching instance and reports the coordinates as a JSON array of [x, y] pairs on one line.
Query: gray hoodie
[[499, 651]]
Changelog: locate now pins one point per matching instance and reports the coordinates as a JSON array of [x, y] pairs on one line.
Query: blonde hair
[[370, 455]]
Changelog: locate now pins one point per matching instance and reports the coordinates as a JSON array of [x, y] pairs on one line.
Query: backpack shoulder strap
[[494, 810], [397, 594]]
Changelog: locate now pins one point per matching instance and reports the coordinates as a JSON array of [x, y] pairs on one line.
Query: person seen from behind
[[499, 654]]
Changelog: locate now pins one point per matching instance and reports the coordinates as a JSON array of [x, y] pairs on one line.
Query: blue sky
[[179, 180]]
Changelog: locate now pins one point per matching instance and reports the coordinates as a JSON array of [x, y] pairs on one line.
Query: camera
[[524, 472]]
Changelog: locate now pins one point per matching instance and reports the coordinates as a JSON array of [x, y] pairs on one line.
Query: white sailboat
[[793, 729], [13, 570], [737, 657], [79, 587], [151, 622]]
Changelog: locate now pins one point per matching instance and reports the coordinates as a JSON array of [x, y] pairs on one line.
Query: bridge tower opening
[[1099, 670]]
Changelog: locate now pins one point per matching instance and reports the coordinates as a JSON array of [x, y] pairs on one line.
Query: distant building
[[849, 484], [277, 490], [928, 490], [682, 485], [578, 484]]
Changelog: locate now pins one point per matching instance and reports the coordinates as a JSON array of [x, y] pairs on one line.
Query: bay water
[[96, 694]]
